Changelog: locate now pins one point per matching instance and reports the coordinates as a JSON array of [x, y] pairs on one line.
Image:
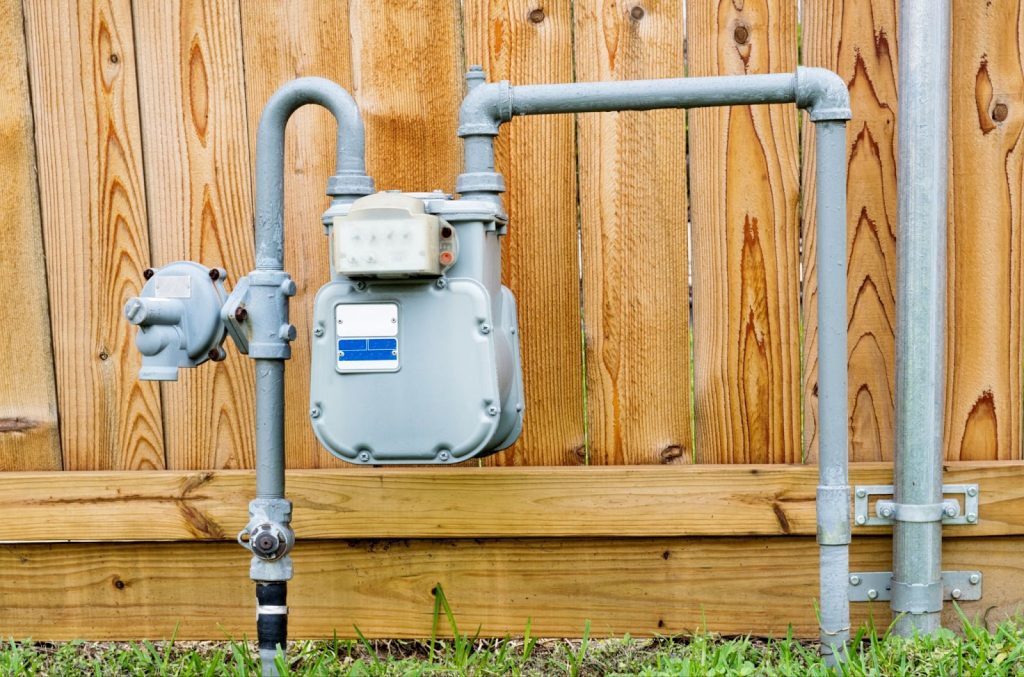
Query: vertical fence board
[[407, 72], [632, 183], [858, 41], [283, 41], [744, 192], [28, 399], [983, 350], [82, 68], [525, 42], [199, 195]]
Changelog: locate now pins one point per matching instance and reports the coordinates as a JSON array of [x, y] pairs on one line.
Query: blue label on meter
[[367, 350]]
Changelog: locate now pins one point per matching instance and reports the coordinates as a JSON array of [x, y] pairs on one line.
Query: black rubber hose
[[272, 616]]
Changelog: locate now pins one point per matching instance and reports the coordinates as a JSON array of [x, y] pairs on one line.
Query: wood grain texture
[[565, 502], [983, 339], [858, 41], [525, 43], [646, 587], [407, 74], [282, 41], [85, 105], [744, 191], [199, 193], [633, 215], [29, 439]]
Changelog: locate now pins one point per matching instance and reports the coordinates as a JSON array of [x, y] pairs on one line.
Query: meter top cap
[[391, 235]]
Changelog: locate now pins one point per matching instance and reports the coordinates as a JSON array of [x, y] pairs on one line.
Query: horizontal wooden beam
[[647, 501], [659, 586]]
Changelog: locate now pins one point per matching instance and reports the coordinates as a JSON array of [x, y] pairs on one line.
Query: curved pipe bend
[[823, 94], [350, 178]]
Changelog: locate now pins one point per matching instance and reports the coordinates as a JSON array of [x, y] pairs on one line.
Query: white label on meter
[[367, 337]]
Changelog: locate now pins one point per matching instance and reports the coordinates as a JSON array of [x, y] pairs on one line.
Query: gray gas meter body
[[415, 348]]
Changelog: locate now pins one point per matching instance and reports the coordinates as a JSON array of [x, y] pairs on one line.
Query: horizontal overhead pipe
[[825, 97]]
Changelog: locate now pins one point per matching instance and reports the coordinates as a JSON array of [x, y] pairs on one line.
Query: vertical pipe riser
[[923, 128], [833, 497]]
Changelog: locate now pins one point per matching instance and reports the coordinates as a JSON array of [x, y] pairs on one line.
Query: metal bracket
[[876, 586], [887, 511]]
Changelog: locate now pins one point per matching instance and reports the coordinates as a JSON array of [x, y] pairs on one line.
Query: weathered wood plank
[[407, 74], [82, 68], [199, 193], [525, 43], [701, 500], [633, 214], [744, 191], [984, 299], [282, 41], [644, 587], [858, 41], [29, 437]]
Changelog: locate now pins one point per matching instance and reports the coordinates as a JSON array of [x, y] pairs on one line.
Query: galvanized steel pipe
[[824, 95], [923, 128]]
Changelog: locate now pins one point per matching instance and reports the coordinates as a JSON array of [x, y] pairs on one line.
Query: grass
[[974, 651]]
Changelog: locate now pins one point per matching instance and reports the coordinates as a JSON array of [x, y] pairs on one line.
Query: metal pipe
[[833, 495], [269, 428], [269, 532], [923, 127], [350, 177], [824, 95]]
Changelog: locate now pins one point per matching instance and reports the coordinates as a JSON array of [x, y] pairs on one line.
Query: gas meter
[[415, 353]]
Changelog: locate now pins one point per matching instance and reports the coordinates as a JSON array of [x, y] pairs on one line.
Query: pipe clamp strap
[[917, 598], [272, 610], [913, 512]]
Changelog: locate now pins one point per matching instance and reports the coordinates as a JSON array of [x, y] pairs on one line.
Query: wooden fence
[[126, 131]]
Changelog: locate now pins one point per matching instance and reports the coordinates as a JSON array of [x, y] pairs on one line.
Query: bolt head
[[148, 273], [441, 283], [972, 518], [241, 314], [861, 493], [319, 331], [956, 593], [975, 579], [364, 456], [887, 512], [314, 412], [949, 511], [444, 455], [872, 594], [854, 580], [861, 519], [972, 491], [214, 274]]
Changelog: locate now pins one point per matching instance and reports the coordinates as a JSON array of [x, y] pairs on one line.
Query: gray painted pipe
[[349, 182], [271, 287], [824, 95], [923, 127], [350, 174], [833, 496]]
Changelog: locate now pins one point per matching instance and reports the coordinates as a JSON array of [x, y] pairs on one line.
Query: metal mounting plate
[[886, 510], [876, 586]]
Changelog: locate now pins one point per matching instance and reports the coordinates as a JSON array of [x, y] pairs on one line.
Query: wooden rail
[[613, 501]]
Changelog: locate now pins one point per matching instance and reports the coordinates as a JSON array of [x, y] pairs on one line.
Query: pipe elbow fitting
[[485, 108], [823, 94]]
